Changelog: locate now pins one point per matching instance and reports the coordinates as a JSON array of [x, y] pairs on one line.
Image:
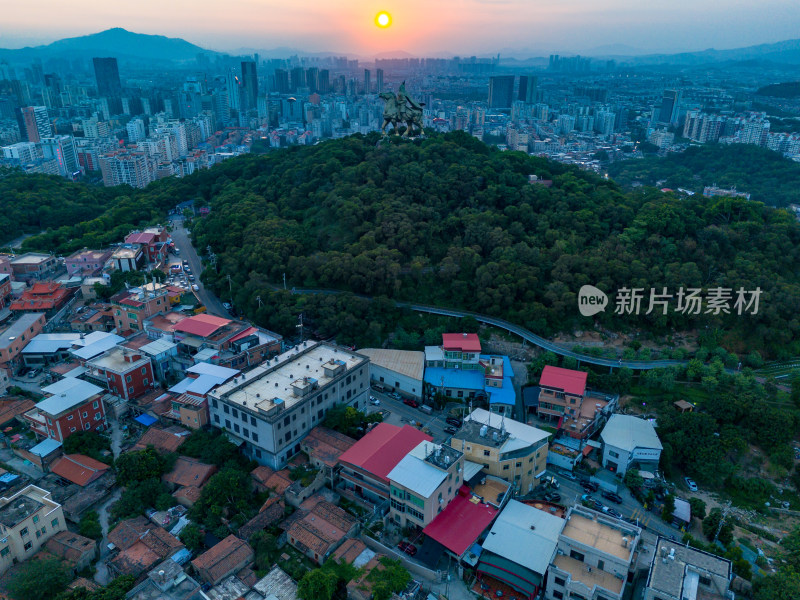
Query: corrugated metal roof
[[628, 432], [45, 447], [408, 363], [223, 373], [417, 475], [203, 384], [47, 343], [572, 382], [67, 393], [157, 347], [97, 345], [525, 535], [381, 449]]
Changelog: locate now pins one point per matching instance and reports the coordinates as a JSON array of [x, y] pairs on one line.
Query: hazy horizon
[[462, 27]]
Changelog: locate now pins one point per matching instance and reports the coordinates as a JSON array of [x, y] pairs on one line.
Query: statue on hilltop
[[401, 108]]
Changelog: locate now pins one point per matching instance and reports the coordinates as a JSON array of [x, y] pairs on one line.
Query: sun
[[383, 19]]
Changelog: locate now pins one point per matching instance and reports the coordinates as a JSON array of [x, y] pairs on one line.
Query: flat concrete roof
[[271, 383], [598, 534], [595, 577]]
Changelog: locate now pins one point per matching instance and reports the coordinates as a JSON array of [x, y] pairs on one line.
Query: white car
[[195, 287], [226, 305], [374, 401], [690, 484]]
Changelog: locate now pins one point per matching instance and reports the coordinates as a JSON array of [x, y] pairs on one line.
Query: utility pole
[[725, 511], [258, 299], [230, 288], [300, 327], [284, 281]]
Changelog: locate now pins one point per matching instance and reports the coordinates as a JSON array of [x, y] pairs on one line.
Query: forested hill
[[769, 177], [450, 221]]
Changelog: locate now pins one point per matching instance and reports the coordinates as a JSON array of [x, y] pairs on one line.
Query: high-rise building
[[378, 81], [670, 107], [501, 91], [527, 88], [35, 123], [298, 79], [367, 82], [123, 167], [136, 131], [324, 82], [282, 81], [312, 80], [232, 83], [249, 86], [62, 149], [107, 74]]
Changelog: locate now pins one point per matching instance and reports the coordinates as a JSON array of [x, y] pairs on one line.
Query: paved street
[[188, 253], [402, 414]]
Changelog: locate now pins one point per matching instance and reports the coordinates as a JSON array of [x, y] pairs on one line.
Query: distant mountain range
[[139, 47]]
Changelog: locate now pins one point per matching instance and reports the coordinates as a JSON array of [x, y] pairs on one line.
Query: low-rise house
[[461, 522], [423, 483], [264, 478], [318, 531], [49, 348], [5, 289], [275, 585], [162, 353], [594, 556], [78, 469], [563, 398], [399, 370], [27, 520], [126, 373], [86, 263], [18, 335], [270, 513], [225, 558], [167, 581], [505, 448], [630, 442], [72, 405], [12, 409], [141, 545], [520, 547], [324, 446], [33, 266], [190, 400], [128, 257], [163, 440], [365, 467], [154, 243], [678, 572], [43, 297], [97, 317], [77, 550], [133, 306], [189, 471]]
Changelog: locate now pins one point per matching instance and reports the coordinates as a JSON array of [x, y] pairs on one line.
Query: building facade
[[27, 520], [272, 407], [72, 405], [630, 442]]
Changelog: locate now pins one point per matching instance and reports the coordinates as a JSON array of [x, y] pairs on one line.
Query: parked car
[[451, 430], [552, 496], [589, 486], [409, 549], [34, 373], [226, 305], [568, 475], [374, 401], [410, 402], [610, 511], [690, 484], [191, 277], [616, 498], [455, 422], [195, 287], [592, 502]]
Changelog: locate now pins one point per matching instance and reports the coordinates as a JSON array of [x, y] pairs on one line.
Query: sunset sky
[[418, 26]]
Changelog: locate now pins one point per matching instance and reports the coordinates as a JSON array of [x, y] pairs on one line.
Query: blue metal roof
[[145, 419], [455, 378], [45, 447]]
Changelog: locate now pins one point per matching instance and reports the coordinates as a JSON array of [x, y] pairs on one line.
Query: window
[[226, 409], [576, 555], [288, 419], [95, 404], [245, 432], [227, 424], [253, 421], [128, 379], [258, 453], [71, 429], [706, 581], [38, 534], [216, 418], [214, 402], [69, 417], [4, 551], [601, 564], [518, 465], [557, 595], [505, 467], [613, 454], [35, 518], [24, 531], [54, 523], [144, 370], [145, 381], [486, 453], [85, 415], [97, 416], [460, 393], [130, 390], [87, 426], [236, 427], [28, 545], [415, 513], [255, 436], [559, 581]]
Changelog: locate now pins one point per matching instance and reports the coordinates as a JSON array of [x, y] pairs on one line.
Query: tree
[[784, 585], [140, 465], [669, 508], [317, 584], [90, 525], [711, 524], [116, 590], [698, 508], [38, 579], [790, 549], [392, 578], [192, 537], [632, 479], [89, 443], [265, 546]]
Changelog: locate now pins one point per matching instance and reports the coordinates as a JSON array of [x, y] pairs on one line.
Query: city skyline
[[457, 27]]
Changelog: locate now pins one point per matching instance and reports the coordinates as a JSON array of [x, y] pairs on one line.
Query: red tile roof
[[230, 555], [267, 478], [466, 342], [326, 445], [461, 523], [12, 407], [201, 325], [381, 449], [572, 382], [42, 296], [189, 471], [140, 238], [71, 546], [78, 468], [160, 439]]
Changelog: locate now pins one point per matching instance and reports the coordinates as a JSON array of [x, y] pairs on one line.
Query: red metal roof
[[381, 449], [201, 325], [461, 523], [244, 334], [572, 382], [466, 342], [140, 238], [78, 468]]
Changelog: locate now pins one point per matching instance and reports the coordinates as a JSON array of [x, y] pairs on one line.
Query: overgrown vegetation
[[89, 443]]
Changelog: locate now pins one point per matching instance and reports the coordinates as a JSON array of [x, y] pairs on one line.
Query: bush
[[90, 525]]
